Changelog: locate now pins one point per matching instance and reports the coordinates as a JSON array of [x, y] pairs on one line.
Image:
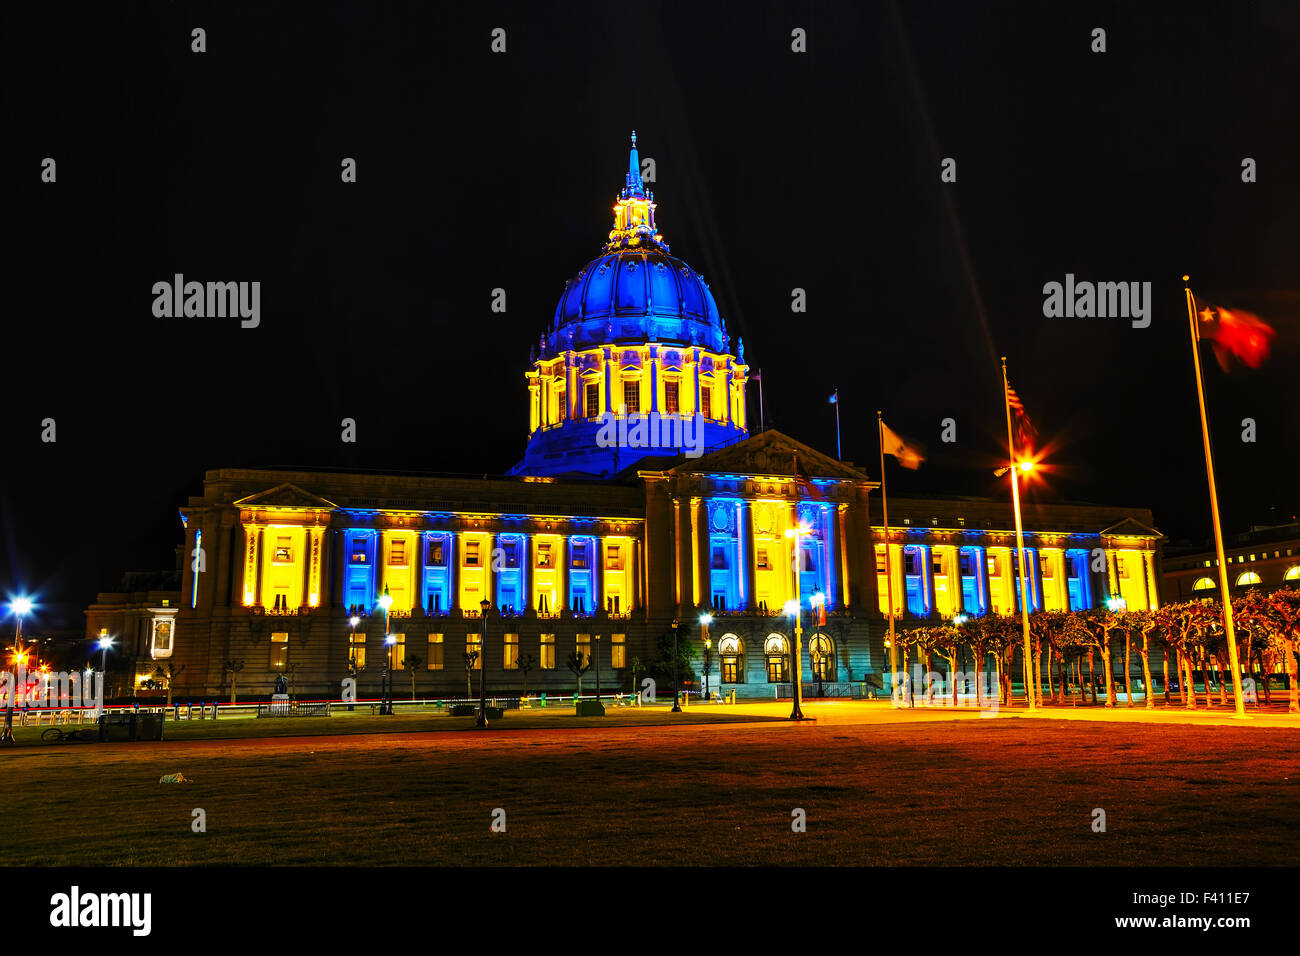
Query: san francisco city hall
[[600, 547]]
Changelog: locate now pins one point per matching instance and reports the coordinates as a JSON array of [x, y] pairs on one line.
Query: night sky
[[775, 170]]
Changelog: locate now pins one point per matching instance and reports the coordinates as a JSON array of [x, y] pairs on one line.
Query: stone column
[[1153, 587], [654, 378], [841, 514], [1112, 573], [562, 598], [748, 554], [418, 597], [832, 542], [598, 572], [705, 551], [453, 571], [981, 556], [525, 571]]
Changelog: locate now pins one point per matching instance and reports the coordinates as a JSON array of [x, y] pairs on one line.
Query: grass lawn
[[892, 791]]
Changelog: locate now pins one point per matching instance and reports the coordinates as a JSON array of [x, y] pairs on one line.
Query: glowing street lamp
[[705, 620], [485, 605], [385, 699], [792, 607], [1115, 604], [19, 607]]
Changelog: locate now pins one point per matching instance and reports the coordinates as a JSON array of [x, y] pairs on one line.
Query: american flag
[[1026, 434]]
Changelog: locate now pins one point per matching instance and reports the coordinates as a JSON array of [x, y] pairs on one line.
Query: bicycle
[[61, 736]]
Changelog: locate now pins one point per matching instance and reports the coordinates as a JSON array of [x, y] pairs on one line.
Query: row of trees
[[1189, 635]]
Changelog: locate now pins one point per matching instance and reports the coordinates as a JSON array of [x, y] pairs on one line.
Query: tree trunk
[[1189, 684], [1110, 675], [232, 688], [1294, 706], [1147, 702], [1128, 667], [1092, 679], [1038, 674], [1164, 661], [1051, 690], [1223, 669], [1205, 668]]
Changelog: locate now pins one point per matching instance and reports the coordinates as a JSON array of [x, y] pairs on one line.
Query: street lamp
[[794, 608], [353, 621], [485, 605], [105, 642], [19, 607], [386, 602], [705, 620], [677, 694]]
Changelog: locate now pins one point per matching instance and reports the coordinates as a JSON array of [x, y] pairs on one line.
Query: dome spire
[[633, 187], [634, 216]]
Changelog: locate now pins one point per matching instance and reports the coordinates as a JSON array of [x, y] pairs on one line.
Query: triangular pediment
[[770, 453], [285, 496], [1132, 528]]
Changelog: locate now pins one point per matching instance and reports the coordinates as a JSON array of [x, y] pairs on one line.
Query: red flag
[[1242, 335]]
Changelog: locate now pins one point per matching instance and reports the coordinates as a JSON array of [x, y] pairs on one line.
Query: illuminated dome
[[636, 339], [636, 291]]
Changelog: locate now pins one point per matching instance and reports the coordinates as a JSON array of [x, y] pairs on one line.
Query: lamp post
[[353, 621], [485, 605], [677, 694], [386, 602], [19, 607], [105, 642], [793, 607], [705, 620]]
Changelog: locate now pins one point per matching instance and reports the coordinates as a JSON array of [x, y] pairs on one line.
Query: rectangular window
[[435, 553], [397, 554], [510, 551], [358, 550], [473, 645], [706, 402], [548, 652], [357, 650], [672, 402], [993, 566], [719, 562], [618, 650], [1122, 566], [762, 559], [283, 550], [396, 652], [632, 396], [593, 400], [579, 555], [561, 407], [510, 652], [544, 554], [471, 554], [435, 652], [279, 650], [613, 557], [582, 644]]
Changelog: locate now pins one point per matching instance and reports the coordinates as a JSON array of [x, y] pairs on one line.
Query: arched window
[[731, 652], [1203, 584], [1247, 577], [1292, 573], [776, 650], [821, 650]]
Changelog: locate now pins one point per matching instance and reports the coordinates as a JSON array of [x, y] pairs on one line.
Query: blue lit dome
[[637, 295], [636, 291], [636, 362]]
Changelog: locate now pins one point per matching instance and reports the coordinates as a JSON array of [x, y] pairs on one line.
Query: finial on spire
[[634, 139]]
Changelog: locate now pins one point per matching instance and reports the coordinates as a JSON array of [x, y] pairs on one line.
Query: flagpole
[[1214, 509], [1030, 690], [889, 577], [839, 454]]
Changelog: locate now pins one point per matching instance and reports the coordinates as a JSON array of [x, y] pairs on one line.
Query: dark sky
[[774, 171]]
